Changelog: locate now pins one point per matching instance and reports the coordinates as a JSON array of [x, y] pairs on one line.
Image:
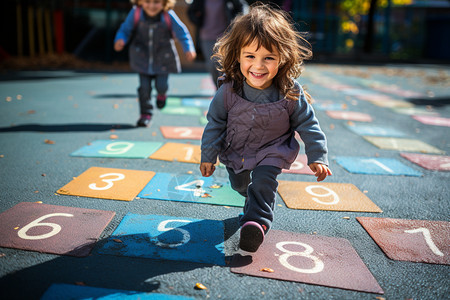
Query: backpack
[[137, 16]]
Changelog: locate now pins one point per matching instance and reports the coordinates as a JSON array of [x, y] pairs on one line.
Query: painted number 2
[[318, 264], [428, 240], [93, 186], [22, 233]]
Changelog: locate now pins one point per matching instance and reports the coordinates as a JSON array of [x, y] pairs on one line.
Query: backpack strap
[[168, 22], [137, 15]]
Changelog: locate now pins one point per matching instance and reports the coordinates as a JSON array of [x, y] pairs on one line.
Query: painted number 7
[[428, 240]]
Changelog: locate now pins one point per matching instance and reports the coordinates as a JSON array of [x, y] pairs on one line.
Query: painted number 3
[[109, 181], [318, 264]]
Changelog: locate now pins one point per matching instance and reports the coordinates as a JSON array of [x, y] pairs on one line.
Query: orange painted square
[[325, 196], [108, 183], [178, 152]]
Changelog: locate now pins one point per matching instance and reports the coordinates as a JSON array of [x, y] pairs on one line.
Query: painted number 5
[[318, 264], [162, 227], [109, 181], [22, 233]]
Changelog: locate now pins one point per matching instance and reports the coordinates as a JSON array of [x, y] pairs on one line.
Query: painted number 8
[[318, 264], [335, 197]]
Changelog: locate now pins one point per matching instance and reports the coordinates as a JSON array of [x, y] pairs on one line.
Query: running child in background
[[151, 26], [255, 113]]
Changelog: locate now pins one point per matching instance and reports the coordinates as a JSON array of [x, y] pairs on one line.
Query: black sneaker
[[161, 101], [144, 120], [252, 236]]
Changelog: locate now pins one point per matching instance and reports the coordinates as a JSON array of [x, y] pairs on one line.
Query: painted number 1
[[428, 240]]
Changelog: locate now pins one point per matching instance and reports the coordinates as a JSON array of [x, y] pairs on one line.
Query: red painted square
[[52, 229], [349, 115], [430, 162], [430, 120], [313, 259], [410, 240], [300, 166]]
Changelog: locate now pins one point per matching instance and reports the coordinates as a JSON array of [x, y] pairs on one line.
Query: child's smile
[[152, 7], [259, 66]]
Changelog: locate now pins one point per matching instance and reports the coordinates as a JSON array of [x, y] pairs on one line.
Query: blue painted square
[[376, 166], [61, 291], [370, 130], [118, 149], [190, 188], [168, 238], [196, 102]]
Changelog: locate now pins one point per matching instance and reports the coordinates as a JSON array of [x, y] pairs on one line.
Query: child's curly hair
[[168, 4], [270, 28]]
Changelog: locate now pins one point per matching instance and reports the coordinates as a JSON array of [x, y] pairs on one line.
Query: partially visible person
[[212, 18], [150, 27]]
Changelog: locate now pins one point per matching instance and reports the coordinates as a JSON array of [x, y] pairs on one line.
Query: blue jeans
[[259, 187], [145, 90]]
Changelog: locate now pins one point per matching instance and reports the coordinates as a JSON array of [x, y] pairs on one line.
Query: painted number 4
[[428, 240]]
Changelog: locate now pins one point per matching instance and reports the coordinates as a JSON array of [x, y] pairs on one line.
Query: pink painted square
[[430, 162]]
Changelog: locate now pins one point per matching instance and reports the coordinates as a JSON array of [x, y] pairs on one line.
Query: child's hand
[[207, 169], [190, 56], [321, 171], [119, 44]]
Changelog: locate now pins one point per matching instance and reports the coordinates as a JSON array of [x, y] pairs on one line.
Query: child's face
[[259, 67], [152, 7]]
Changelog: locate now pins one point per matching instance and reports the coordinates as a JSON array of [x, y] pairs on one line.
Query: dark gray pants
[[259, 187], [145, 90]]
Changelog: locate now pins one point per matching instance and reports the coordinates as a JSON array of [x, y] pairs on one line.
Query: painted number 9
[[318, 264], [334, 196], [117, 148], [22, 233]]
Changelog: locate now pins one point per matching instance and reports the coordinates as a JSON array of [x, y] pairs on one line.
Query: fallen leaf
[[8, 99], [38, 202], [36, 192], [43, 175], [200, 286], [113, 136], [1, 156], [116, 106], [31, 111], [19, 97], [216, 186], [365, 191], [331, 126], [190, 172], [2, 254], [206, 195], [350, 123], [268, 270], [117, 241], [15, 228], [50, 142], [346, 218]]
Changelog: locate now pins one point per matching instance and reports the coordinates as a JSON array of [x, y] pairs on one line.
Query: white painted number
[[22, 233], [334, 196], [428, 240], [318, 264], [296, 165], [185, 132], [93, 186], [162, 227], [117, 148], [198, 191], [189, 153], [379, 164]]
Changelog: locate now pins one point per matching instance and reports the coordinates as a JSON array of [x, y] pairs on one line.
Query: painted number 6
[[22, 233], [318, 264], [109, 182], [162, 227]]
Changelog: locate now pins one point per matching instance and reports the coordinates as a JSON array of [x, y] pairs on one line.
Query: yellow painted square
[[108, 183], [325, 196], [401, 144], [178, 152]]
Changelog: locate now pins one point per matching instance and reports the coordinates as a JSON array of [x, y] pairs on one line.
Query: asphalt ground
[[73, 109]]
